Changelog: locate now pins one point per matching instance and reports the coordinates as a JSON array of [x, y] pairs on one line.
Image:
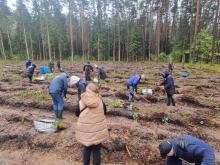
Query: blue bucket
[[184, 74], [44, 69]]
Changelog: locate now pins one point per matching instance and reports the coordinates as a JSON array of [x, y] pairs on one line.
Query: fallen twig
[[128, 151]]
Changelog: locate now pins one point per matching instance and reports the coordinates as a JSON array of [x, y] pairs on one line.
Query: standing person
[[101, 74], [51, 66], [30, 71], [28, 63], [91, 128], [58, 89], [80, 84], [132, 85], [169, 87], [58, 66], [170, 68], [87, 69], [187, 148]]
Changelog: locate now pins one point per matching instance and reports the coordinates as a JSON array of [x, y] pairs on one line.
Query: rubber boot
[[56, 114], [60, 115]]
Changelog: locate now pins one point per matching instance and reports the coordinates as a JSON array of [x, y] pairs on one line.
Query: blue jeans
[[57, 104], [130, 93]]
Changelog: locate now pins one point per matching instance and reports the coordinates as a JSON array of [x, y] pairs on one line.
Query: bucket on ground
[[147, 91], [44, 69], [45, 125], [184, 74]]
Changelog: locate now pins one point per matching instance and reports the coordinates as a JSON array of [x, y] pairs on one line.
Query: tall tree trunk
[[166, 34], [128, 34], [40, 51], [173, 31], [26, 44], [119, 38], [48, 41], [158, 33], [191, 32], [98, 48], [32, 54], [114, 45], [71, 30], [9, 42], [2, 46], [196, 30], [214, 32], [60, 51]]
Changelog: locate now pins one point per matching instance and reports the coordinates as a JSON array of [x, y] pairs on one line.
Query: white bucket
[[147, 91]]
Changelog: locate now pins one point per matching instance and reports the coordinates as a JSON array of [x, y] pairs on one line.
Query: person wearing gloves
[[57, 89], [169, 87], [80, 84], [91, 128], [132, 85], [187, 148]]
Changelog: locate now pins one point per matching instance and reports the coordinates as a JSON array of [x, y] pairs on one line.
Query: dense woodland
[[117, 30]]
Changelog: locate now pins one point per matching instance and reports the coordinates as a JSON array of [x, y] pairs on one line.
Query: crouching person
[[187, 148], [91, 128], [30, 72], [132, 84], [80, 84], [58, 90]]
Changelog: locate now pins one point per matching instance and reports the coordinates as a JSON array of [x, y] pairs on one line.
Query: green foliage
[[204, 45], [37, 95], [59, 125], [117, 103]]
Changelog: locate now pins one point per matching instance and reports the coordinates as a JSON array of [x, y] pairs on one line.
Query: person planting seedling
[[187, 148], [132, 84]]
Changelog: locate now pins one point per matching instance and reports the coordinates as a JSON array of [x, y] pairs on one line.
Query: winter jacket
[[133, 81], [91, 128], [88, 68], [30, 70], [28, 63], [59, 85], [168, 83], [101, 74], [193, 150], [81, 87]]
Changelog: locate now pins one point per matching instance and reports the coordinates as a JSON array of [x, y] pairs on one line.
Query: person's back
[[81, 87], [28, 63], [134, 80], [102, 74], [58, 84]]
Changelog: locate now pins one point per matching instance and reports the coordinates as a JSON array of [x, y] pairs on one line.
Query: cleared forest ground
[[134, 134]]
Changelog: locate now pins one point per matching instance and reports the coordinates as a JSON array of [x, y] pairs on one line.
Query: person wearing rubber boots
[[132, 84], [169, 87], [58, 90], [187, 149]]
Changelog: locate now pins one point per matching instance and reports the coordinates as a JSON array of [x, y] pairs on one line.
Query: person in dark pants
[[57, 89], [187, 148], [51, 66], [87, 69], [132, 85], [101, 74], [80, 84], [58, 66], [28, 63], [91, 128], [170, 68], [30, 72], [169, 87]]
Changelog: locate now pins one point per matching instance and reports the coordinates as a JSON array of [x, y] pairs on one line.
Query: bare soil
[[134, 134]]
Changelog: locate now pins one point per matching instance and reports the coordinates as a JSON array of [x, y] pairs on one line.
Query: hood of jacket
[[91, 99]]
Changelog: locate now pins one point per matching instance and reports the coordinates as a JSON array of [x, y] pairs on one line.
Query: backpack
[[102, 74]]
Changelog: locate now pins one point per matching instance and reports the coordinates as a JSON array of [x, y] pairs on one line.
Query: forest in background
[[114, 30]]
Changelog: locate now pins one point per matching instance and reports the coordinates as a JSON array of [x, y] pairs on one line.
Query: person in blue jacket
[[169, 87], [132, 84], [187, 148], [30, 71], [57, 89]]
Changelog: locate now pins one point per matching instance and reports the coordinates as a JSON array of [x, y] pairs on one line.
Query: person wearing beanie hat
[[80, 84], [187, 148]]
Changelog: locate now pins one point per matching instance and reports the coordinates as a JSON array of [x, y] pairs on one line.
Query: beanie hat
[[73, 80], [165, 147]]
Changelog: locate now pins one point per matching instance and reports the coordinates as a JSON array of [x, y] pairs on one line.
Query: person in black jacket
[[30, 72], [169, 87], [28, 63], [101, 74], [87, 69]]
